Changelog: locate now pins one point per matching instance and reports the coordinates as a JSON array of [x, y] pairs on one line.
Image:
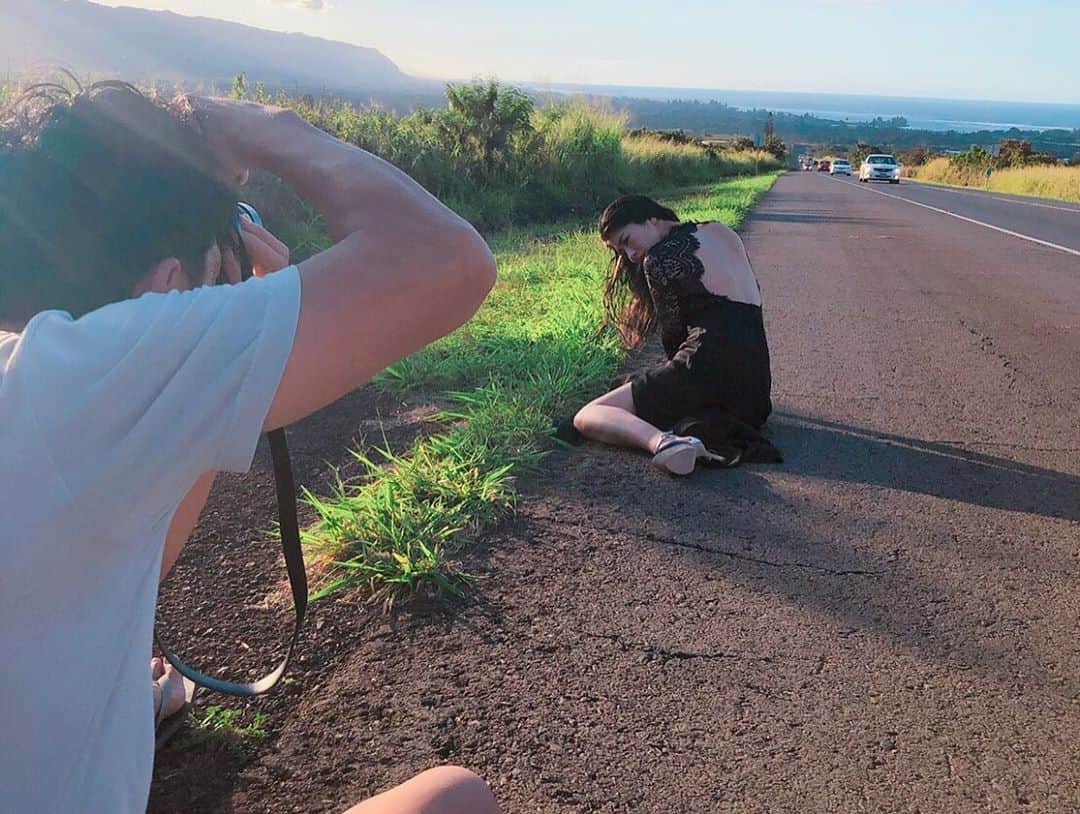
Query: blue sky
[[1022, 51]]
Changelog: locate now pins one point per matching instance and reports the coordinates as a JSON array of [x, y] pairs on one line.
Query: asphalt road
[[888, 622], [1053, 221]]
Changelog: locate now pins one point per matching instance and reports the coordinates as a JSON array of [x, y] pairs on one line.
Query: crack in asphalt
[[735, 555], [987, 346], [854, 572]]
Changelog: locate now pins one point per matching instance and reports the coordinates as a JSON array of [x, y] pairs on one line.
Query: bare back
[[727, 267]]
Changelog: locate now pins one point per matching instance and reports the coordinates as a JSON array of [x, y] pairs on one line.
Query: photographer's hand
[[267, 253], [231, 128], [404, 269]]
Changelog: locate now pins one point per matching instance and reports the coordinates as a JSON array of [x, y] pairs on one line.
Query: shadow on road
[[828, 449], [959, 593]]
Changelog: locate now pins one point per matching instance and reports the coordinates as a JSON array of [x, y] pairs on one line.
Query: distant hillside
[[145, 45]]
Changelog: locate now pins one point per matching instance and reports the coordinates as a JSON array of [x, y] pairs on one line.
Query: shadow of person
[[821, 448]]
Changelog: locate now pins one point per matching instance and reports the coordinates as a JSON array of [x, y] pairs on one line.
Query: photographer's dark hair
[[96, 186], [628, 303]]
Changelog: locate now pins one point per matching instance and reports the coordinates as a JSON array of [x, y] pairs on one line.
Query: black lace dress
[[718, 358]]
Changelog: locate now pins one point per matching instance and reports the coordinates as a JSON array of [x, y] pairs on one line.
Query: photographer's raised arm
[[404, 269]]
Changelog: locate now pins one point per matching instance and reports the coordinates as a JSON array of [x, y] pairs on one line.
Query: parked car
[[880, 167], [823, 166], [840, 166]]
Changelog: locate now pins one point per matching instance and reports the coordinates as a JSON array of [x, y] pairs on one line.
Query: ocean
[[962, 115]]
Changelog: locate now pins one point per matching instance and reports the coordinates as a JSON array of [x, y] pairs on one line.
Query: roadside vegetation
[[1045, 181], [497, 158]]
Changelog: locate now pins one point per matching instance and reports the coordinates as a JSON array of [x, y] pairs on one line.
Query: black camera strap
[[294, 563], [290, 542]]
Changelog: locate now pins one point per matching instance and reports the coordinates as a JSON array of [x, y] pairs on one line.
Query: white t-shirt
[[105, 423]]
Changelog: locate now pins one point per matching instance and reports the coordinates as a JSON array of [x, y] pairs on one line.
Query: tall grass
[[654, 161], [1046, 182], [531, 353], [943, 171], [498, 159], [1058, 182]]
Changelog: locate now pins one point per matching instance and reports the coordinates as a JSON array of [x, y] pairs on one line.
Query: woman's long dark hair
[[628, 303]]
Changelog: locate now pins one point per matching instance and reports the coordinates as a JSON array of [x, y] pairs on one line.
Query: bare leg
[[611, 419], [445, 790]]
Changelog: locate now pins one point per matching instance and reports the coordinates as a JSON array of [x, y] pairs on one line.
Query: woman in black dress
[[692, 282]]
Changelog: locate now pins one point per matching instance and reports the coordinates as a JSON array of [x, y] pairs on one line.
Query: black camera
[[252, 214]]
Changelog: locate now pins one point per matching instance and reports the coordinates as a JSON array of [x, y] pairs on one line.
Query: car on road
[[840, 166], [823, 166], [880, 167]]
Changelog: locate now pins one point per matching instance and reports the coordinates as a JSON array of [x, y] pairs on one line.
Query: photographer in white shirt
[[127, 380]]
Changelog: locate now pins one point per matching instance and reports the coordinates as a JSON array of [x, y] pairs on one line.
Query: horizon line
[[554, 83]]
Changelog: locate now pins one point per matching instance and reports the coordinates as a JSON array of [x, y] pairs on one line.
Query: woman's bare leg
[[611, 419], [445, 790]]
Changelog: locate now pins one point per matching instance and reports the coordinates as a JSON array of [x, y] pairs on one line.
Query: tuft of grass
[[222, 729], [534, 351]]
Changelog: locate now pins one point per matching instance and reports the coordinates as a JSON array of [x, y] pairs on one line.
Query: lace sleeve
[[676, 265], [671, 272]]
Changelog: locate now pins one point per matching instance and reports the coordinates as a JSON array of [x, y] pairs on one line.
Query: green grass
[[222, 729], [532, 352]]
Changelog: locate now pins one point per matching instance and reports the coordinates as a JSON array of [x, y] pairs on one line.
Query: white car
[[880, 167], [840, 166]]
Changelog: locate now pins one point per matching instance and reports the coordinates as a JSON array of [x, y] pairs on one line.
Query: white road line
[[990, 196], [1009, 232], [1042, 206]]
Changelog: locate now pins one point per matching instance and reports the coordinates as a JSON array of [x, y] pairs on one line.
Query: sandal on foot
[[677, 454]]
